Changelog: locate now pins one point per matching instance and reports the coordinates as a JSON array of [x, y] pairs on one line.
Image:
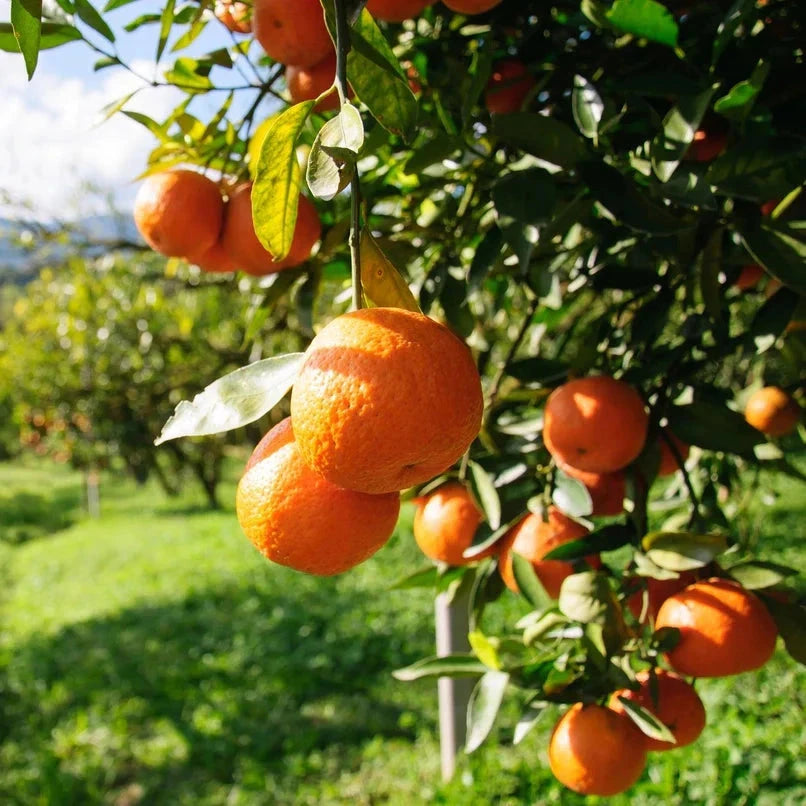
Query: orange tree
[[575, 189]]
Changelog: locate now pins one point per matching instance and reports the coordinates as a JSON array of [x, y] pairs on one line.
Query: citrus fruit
[[385, 399], [672, 700], [749, 276], [471, 6], [607, 490], [238, 237], [179, 213], [657, 592], [397, 10], [308, 83], [772, 411], [724, 629], [508, 87], [709, 140], [292, 33], [596, 751], [298, 519], [597, 424], [235, 15], [445, 523], [216, 260], [533, 538], [668, 461]]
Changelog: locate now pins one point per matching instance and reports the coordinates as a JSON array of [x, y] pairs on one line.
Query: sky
[[51, 145]]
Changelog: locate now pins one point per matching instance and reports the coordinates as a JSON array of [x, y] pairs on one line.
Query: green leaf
[[26, 21], [649, 724], [683, 551], [144, 120], [528, 719], [545, 624], [607, 538], [547, 138], [486, 493], [727, 29], [771, 319], [571, 496], [166, 21], [484, 649], [780, 251], [192, 33], [710, 268], [524, 196], [87, 13], [587, 107], [190, 75], [790, 619], [111, 5], [713, 427], [236, 399], [540, 371], [739, 101], [758, 574], [424, 578], [278, 178], [480, 69], [331, 163], [52, 35], [644, 18], [586, 597], [446, 666], [483, 707], [528, 584]]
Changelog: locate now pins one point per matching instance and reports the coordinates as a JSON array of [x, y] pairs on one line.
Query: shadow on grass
[[27, 516], [187, 699]]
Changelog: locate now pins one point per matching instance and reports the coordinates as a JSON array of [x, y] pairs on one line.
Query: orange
[[709, 140], [508, 87], [238, 236], [216, 260], [724, 629], [307, 83], [533, 538], [607, 490], [397, 10], [471, 6], [596, 751], [235, 15], [385, 399], [445, 523], [298, 519], [668, 461], [749, 276], [292, 32], [678, 706], [596, 424], [769, 206], [772, 411], [657, 592], [179, 213]]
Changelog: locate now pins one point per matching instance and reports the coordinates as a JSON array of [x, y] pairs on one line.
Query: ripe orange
[[597, 424], [238, 236], [772, 411], [235, 15], [678, 706], [607, 490], [298, 519], [724, 629], [533, 538], [385, 399], [709, 140], [768, 206], [596, 751], [307, 83], [749, 276], [397, 10], [445, 523], [179, 213], [668, 462], [292, 33], [216, 260], [508, 87], [658, 591], [471, 6]]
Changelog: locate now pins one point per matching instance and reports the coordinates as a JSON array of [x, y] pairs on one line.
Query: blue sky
[[50, 145]]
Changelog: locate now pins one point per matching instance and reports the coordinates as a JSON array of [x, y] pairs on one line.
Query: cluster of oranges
[[385, 399]]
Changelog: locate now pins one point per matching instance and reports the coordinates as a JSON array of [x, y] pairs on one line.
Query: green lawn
[[151, 656]]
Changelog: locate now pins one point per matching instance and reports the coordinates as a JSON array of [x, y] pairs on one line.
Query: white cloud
[[51, 147]]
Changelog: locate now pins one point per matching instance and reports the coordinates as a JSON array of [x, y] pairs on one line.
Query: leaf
[[529, 585], [758, 574], [52, 35], [331, 163], [779, 251], [683, 551], [571, 496], [713, 427], [426, 577], [446, 666], [89, 14], [278, 178], [772, 319], [528, 719], [483, 707], [166, 21], [235, 399], [739, 101], [382, 282], [587, 107], [727, 28], [540, 371], [524, 196], [607, 538], [710, 268], [190, 75], [545, 624], [644, 18], [791, 622], [586, 597], [26, 21], [484, 649], [547, 138], [649, 724], [486, 493]]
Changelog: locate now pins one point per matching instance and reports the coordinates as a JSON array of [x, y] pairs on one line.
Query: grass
[[151, 656]]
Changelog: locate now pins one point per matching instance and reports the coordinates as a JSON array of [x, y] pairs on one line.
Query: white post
[[92, 480], [454, 694]]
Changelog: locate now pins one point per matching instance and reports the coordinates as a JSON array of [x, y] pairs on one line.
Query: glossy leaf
[[713, 427], [779, 250], [26, 21], [166, 22], [87, 13], [586, 597], [528, 719], [644, 18], [446, 666], [52, 35], [758, 574], [683, 551], [790, 619], [739, 101], [484, 649], [571, 496], [331, 163], [483, 707], [587, 107], [607, 538], [382, 283], [486, 493], [528, 584], [649, 724], [550, 139], [772, 319]]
